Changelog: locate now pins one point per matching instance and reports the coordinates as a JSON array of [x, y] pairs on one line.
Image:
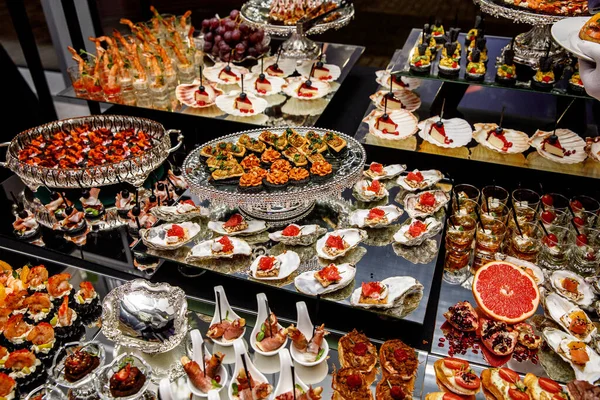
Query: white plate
[[566, 33]]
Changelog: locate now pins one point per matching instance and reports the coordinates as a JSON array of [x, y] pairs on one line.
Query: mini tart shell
[[321, 170], [276, 180], [299, 176], [249, 162], [270, 155], [281, 165]]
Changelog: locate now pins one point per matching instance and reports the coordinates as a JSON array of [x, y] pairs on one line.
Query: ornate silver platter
[[149, 317], [134, 169], [256, 13], [283, 206]]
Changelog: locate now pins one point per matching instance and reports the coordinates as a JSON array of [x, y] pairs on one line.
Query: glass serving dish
[[133, 170], [283, 206], [102, 383], [149, 317]]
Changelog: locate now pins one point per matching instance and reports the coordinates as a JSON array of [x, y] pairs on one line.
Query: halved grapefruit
[[505, 292]]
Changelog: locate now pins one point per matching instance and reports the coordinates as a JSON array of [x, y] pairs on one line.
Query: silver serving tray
[[150, 317]]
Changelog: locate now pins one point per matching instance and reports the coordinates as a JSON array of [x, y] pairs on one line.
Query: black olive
[[23, 214]]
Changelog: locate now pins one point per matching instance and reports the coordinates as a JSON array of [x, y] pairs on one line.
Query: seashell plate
[[519, 140], [398, 287], [584, 294], [254, 226], [569, 140], [389, 171], [406, 124], [383, 78], [359, 218], [185, 94], [411, 203], [361, 193], [250, 85], [561, 311], [458, 132], [351, 236], [308, 235], [203, 250], [288, 261], [226, 103], [156, 237], [410, 101], [287, 65], [403, 237], [212, 73], [293, 84], [430, 178], [178, 213], [307, 283], [559, 341], [305, 68]]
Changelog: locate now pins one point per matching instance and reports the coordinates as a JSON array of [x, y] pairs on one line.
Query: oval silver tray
[[133, 170]]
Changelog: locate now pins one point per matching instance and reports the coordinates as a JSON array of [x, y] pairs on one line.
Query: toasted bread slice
[[490, 390], [323, 282], [368, 371], [450, 384], [369, 300], [591, 30]]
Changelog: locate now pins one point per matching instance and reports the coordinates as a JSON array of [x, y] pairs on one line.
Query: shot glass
[[554, 217], [525, 242], [158, 89], [493, 198], [587, 219], [488, 240], [465, 207], [463, 190], [111, 86], [523, 215], [78, 81], [524, 199], [579, 204], [459, 244], [500, 214], [585, 251], [555, 201], [186, 72], [93, 88], [555, 250]]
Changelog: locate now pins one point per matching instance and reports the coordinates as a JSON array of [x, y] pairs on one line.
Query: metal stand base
[[532, 45], [299, 47], [279, 218]]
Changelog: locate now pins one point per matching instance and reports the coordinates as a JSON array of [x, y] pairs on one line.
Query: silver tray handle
[[4, 163], [179, 139]]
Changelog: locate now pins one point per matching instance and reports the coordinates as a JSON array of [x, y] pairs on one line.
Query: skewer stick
[[137, 221], [293, 382], [247, 373], [203, 360], [442, 111], [278, 55], [516, 219], [385, 105], [502, 116], [312, 71], [262, 65], [219, 306], [575, 226], [242, 81], [269, 317], [201, 84], [543, 227], [563, 114]]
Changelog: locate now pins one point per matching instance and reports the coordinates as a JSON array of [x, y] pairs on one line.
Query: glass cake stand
[[298, 46], [282, 206]]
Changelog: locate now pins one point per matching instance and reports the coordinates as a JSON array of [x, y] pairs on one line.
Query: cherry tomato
[[451, 396], [401, 355], [581, 240], [549, 385], [455, 363], [576, 205], [516, 394], [467, 380], [509, 375], [548, 216], [397, 393], [218, 378], [354, 380], [551, 240], [579, 222], [360, 349], [547, 200]]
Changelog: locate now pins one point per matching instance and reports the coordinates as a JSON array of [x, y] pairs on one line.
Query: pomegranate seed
[[442, 339]]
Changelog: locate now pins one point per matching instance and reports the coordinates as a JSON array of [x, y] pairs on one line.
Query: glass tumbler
[[488, 240], [524, 242], [555, 248], [493, 198], [78, 81], [460, 230], [525, 198], [585, 251]]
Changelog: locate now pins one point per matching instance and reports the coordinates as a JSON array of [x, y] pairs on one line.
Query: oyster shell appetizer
[[378, 217], [263, 85], [573, 287], [237, 225], [532, 269], [276, 68], [505, 141], [386, 293], [562, 146], [224, 73], [221, 247], [326, 280], [318, 71], [365, 190], [196, 95], [582, 358], [379, 171], [396, 100], [184, 211], [306, 89], [592, 147], [446, 133], [419, 180], [169, 236], [395, 125], [426, 203], [572, 318], [337, 243], [269, 268], [298, 235], [241, 104], [415, 231], [386, 79]]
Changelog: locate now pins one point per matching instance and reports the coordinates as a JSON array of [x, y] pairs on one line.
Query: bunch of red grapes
[[231, 40]]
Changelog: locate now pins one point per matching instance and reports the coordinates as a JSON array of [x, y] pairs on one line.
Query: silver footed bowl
[[133, 169]]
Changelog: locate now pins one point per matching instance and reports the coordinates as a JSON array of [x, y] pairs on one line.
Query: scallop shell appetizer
[[204, 250], [156, 237], [308, 235], [430, 178], [410, 100], [559, 343], [583, 295], [288, 261], [389, 171], [398, 288], [406, 124], [351, 236], [361, 193], [458, 132], [226, 103], [287, 65], [307, 283], [359, 218], [250, 85], [212, 73], [412, 207], [305, 68], [519, 140], [293, 84], [592, 148], [185, 93], [177, 213], [569, 140], [403, 237], [254, 226], [383, 77], [563, 312]]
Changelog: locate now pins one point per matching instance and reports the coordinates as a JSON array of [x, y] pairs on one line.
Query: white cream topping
[[41, 315], [38, 349], [59, 325], [21, 374], [79, 299]]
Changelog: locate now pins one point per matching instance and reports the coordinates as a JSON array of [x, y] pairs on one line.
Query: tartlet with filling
[[321, 170]]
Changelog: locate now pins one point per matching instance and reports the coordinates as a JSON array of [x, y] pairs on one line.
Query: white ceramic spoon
[[286, 383], [257, 376], [306, 326], [225, 312], [263, 313], [197, 343]]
